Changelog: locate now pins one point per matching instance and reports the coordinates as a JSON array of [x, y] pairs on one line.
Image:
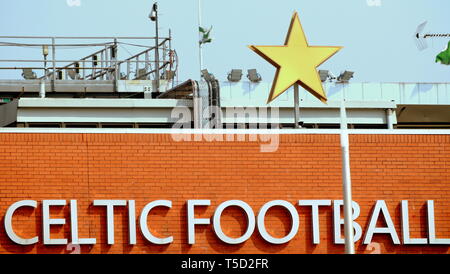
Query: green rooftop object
[[444, 57], [205, 35]]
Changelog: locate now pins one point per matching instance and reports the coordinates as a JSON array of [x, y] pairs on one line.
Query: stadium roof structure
[[112, 86]]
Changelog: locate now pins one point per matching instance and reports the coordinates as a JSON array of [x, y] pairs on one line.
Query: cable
[[60, 46], [135, 45], [125, 49]]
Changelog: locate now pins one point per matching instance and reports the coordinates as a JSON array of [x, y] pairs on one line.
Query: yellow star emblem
[[296, 62]]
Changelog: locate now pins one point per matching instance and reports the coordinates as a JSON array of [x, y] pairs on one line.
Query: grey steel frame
[[105, 66]]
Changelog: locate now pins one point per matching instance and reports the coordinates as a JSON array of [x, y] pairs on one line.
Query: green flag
[[204, 33], [444, 57]]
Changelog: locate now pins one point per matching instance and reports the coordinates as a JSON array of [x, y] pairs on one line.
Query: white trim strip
[[226, 131]]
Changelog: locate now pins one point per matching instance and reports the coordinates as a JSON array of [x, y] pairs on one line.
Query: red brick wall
[[147, 167]]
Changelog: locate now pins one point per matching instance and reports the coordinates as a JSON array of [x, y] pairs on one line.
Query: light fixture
[[207, 76], [254, 76], [323, 75], [345, 76], [154, 17], [28, 74], [153, 14], [45, 53], [235, 75], [45, 50]]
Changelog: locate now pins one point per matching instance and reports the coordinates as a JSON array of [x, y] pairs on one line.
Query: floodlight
[[235, 75], [254, 76], [207, 76], [28, 74], [323, 75], [345, 76], [153, 14], [154, 17], [45, 50]]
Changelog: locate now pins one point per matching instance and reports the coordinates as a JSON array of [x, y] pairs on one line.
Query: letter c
[[143, 223], [8, 223]]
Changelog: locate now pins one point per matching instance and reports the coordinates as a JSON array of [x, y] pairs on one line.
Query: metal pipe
[[12, 44], [157, 50], [197, 100], [53, 58], [137, 65], [389, 120], [103, 62], [57, 68], [78, 37], [65, 61], [84, 71], [346, 181], [170, 39], [116, 64], [128, 69], [107, 64], [164, 53], [296, 106], [147, 58], [42, 88], [200, 51]]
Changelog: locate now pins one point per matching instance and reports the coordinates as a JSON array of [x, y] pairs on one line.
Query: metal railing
[[103, 64]]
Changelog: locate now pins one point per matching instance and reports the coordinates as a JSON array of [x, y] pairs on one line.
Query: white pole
[[296, 106], [346, 180], [42, 88], [42, 83], [389, 114], [199, 26]]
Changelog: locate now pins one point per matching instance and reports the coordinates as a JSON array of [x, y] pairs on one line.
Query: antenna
[[420, 37]]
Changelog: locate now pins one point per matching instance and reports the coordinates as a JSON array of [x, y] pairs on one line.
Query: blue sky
[[377, 40]]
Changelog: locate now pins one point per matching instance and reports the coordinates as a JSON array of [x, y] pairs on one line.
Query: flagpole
[[200, 52]]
